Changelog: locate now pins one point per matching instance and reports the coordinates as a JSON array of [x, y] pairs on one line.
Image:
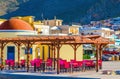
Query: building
[[104, 32], [41, 29], [53, 22], [17, 27], [2, 20], [28, 19], [74, 29]]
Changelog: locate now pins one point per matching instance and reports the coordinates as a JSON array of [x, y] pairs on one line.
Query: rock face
[[81, 11]]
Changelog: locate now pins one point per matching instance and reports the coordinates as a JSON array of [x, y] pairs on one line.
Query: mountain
[[8, 6], [80, 11]]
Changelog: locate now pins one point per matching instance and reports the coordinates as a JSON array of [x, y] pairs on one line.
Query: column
[[28, 56], [43, 52], [58, 56], [18, 55], [54, 57], [97, 57], [49, 52], [2, 47]]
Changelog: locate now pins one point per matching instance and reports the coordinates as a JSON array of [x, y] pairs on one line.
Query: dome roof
[[15, 24]]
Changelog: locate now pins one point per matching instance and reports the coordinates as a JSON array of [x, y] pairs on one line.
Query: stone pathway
[[109, 65]]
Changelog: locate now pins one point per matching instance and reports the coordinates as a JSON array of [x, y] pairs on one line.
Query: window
[[30, 51]]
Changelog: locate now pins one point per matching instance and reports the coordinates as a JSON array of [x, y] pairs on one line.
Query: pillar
[[43, 53], [2, 47], [49, 52], [75, 46], [58, 56], [97, 57], [18, 55], [100, 54], [75, 53], [54, 57], [28, 56]]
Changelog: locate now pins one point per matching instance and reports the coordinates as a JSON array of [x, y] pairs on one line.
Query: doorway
[[10, 52]]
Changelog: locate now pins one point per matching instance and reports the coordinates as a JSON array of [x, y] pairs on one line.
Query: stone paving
[[108, 65]]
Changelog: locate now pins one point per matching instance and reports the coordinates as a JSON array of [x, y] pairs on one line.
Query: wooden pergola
[[56, 42]]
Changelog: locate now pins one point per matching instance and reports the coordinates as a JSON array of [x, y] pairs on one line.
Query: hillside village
[[109, 28]]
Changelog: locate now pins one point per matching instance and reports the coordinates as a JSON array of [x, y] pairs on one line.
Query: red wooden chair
[[49, 64], [10, 64], [7, 62], [75, 65], [100, 63], [61, 64], [64, 65], [89, 64], [36, 63], [22, 63], [80, 64]]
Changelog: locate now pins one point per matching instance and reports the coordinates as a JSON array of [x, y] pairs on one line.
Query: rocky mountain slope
[[80, 11]]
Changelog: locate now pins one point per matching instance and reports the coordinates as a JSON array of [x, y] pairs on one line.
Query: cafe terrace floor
[[91, 74]]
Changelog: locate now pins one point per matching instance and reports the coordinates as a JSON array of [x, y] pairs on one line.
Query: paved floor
[[109, 65]]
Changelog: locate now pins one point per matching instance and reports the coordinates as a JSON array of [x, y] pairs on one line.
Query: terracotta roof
[[15, 24], [61, 39]]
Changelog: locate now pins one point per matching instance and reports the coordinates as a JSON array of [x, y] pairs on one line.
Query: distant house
[[41, 29], [74, 29], [104, 32], [53, 22]]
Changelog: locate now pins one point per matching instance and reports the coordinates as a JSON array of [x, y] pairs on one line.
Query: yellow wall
[[22, 54], [35, 54], [15, 34], [74, 30], [2, 20], [67, 53]]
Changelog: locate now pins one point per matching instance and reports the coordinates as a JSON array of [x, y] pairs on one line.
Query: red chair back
[[7, 62], [22, 62], [49, 62], [32, 62], [100, 62], [66, 64]]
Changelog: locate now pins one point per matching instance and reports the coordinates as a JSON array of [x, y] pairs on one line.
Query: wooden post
[[75, 52], [28, 56], [100, 53], [2, 47], [58, 57], [18, 55], [49, 52], [43, 58], [100, 57], [75, 46], [97, 57], [54, 56]]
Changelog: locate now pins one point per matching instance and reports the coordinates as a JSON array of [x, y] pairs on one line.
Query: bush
[[86, 56]]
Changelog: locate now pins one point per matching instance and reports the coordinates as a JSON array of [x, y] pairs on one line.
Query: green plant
[[86, 56]]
